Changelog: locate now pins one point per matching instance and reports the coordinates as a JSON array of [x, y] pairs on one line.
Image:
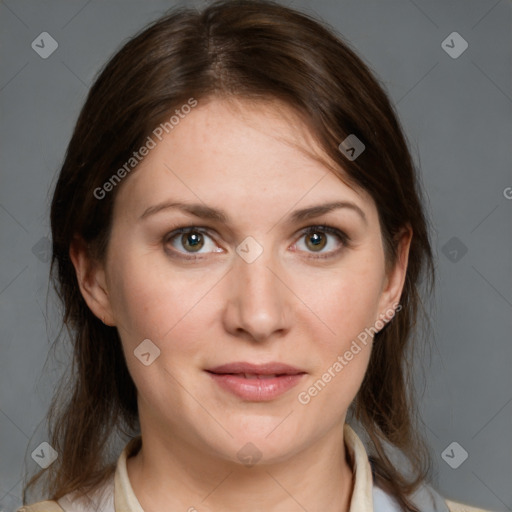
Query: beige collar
[[362, 501]]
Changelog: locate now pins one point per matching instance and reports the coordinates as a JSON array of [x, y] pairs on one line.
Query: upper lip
[[256, 369]]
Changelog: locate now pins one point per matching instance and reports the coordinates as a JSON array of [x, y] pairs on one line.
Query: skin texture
[[258, 164]]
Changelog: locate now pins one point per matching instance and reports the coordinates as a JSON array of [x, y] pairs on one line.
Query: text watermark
[[138, 156], [304, 397]]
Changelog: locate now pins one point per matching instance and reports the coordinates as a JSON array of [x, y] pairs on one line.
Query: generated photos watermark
[[151, 142], [304, 397]]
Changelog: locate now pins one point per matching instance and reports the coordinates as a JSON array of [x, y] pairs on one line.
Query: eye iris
[[317, 240], [193, 240]]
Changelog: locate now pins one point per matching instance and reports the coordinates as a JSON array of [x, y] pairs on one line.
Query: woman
[[238, 240]]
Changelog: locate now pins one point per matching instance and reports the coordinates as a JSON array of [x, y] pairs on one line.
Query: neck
[[170, 474]]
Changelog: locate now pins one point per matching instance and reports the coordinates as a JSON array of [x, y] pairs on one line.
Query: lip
[[256, 382], [256, 369]]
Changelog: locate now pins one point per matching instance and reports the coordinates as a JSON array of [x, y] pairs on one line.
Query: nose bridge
[[258, 300]]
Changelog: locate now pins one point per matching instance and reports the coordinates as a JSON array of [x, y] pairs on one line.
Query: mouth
[[267, 369], [256, 383], [254, 375]]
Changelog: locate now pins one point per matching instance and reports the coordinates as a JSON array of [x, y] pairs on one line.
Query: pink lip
[[268, 380], [258, 369]]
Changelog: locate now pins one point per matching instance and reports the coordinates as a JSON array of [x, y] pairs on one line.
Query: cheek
[[151, 301], [171, 309], [345, 301], [347, 305]]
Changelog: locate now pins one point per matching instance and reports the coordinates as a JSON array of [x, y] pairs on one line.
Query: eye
[[192, 239], [317, 238]]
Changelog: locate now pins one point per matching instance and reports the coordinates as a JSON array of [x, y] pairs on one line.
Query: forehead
[[237, 152]]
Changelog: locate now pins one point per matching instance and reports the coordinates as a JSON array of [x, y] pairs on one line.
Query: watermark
[[454, 249], [44, 455], [454, 45], [249, 455], [146, 352], [304, 397], [454, 455], [352, 147], [249, 249], [44, 45], [138, 156]]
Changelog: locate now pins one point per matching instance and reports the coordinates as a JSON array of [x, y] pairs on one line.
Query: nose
[[258, 305]]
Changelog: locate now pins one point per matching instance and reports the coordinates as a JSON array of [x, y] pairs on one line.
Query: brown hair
[[252, 50]]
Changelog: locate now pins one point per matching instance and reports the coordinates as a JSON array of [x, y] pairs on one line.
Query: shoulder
[[455, 506], [383, 502], [426, 499], [42, 506], [99, 499]]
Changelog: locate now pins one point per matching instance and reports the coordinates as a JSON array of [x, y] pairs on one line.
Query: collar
[[362, 495], [124, 497], [117, 495]]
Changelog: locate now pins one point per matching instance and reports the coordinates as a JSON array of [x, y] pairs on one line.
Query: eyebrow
[[207, 212]]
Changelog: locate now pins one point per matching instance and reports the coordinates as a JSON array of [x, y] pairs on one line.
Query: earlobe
[[92, 282]]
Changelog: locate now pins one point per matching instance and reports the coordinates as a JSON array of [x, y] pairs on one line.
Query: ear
[[395, 277], [91, 279]]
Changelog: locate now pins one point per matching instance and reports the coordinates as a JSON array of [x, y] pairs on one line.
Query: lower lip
[[256, 390]]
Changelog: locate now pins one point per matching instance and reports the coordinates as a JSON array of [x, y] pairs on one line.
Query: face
[[243, 282]]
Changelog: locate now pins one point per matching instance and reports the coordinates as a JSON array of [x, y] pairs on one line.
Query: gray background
[[457, 116]]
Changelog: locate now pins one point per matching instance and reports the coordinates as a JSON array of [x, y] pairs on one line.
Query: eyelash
[[343, 237]]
